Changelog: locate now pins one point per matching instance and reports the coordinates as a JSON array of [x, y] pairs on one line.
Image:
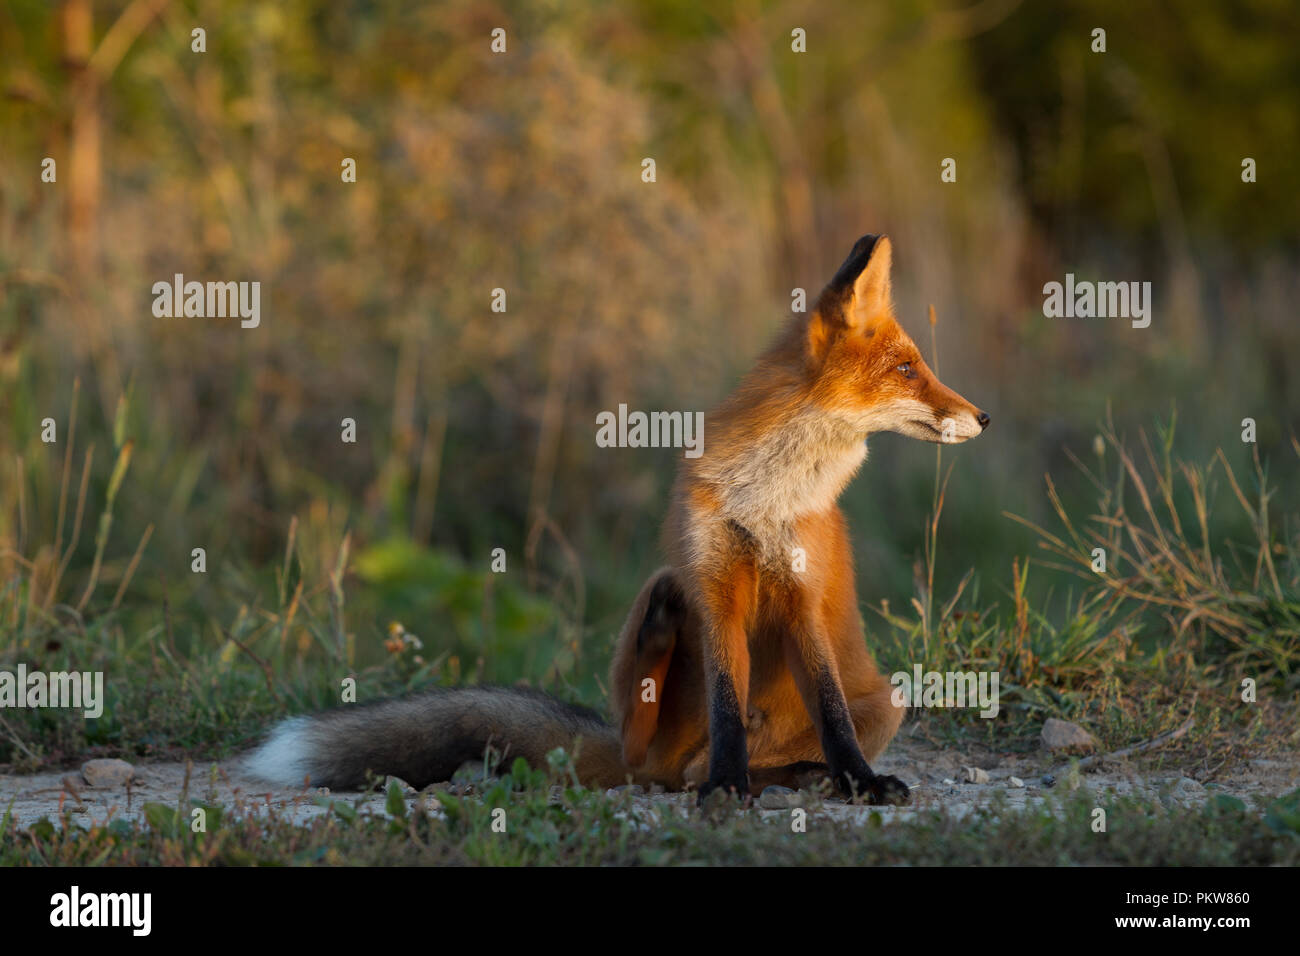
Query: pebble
[[107, 773], [1061, 735], [779, 798]]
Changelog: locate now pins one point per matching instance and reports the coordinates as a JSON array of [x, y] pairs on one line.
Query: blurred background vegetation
[[523, 171]]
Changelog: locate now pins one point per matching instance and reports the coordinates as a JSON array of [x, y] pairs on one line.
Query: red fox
[[742, 662]]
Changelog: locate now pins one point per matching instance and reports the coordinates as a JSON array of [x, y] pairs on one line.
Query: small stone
[[1049, 780], [976, 775], [1061, 735], [107, 773], [779, 798], [1016, 783], [949, 782], [634, 789]]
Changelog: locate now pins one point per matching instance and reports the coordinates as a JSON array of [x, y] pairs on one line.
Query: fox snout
[[939, 414], [942, 425], [957, 429]]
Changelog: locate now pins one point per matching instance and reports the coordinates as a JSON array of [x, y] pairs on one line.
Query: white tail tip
[[285, 758]]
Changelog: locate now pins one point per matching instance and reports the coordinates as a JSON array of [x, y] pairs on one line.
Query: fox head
[[866, 369]]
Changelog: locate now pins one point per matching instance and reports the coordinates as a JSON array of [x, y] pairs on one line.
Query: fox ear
[[862, 283]]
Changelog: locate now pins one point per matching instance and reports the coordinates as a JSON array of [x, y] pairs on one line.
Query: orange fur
[[746, 635]]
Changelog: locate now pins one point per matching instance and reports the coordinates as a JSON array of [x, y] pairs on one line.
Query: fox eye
[[905, 368]]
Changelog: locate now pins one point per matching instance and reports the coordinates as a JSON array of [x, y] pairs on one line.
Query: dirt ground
[[945, 777]]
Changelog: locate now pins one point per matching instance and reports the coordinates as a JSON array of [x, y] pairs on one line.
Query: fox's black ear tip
[[857, 260]]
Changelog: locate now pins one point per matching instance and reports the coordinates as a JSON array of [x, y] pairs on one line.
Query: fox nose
[[983, 419]]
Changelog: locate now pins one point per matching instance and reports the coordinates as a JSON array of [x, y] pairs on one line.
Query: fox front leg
[[820, 687], [848, 767], [728, 759]]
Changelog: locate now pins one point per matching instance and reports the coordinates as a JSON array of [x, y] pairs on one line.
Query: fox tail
[[425, 737]]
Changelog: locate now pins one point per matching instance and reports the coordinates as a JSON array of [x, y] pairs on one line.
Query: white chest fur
[[795, 470]]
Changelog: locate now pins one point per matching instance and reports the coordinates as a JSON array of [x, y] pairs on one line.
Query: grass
[[1229, 604], [541, 818], [1184, 605]]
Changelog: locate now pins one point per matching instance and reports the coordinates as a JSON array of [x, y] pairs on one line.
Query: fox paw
[[876, 789], [887, 791]]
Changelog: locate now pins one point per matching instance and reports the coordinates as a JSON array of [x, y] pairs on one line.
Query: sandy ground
[[939, 776]]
